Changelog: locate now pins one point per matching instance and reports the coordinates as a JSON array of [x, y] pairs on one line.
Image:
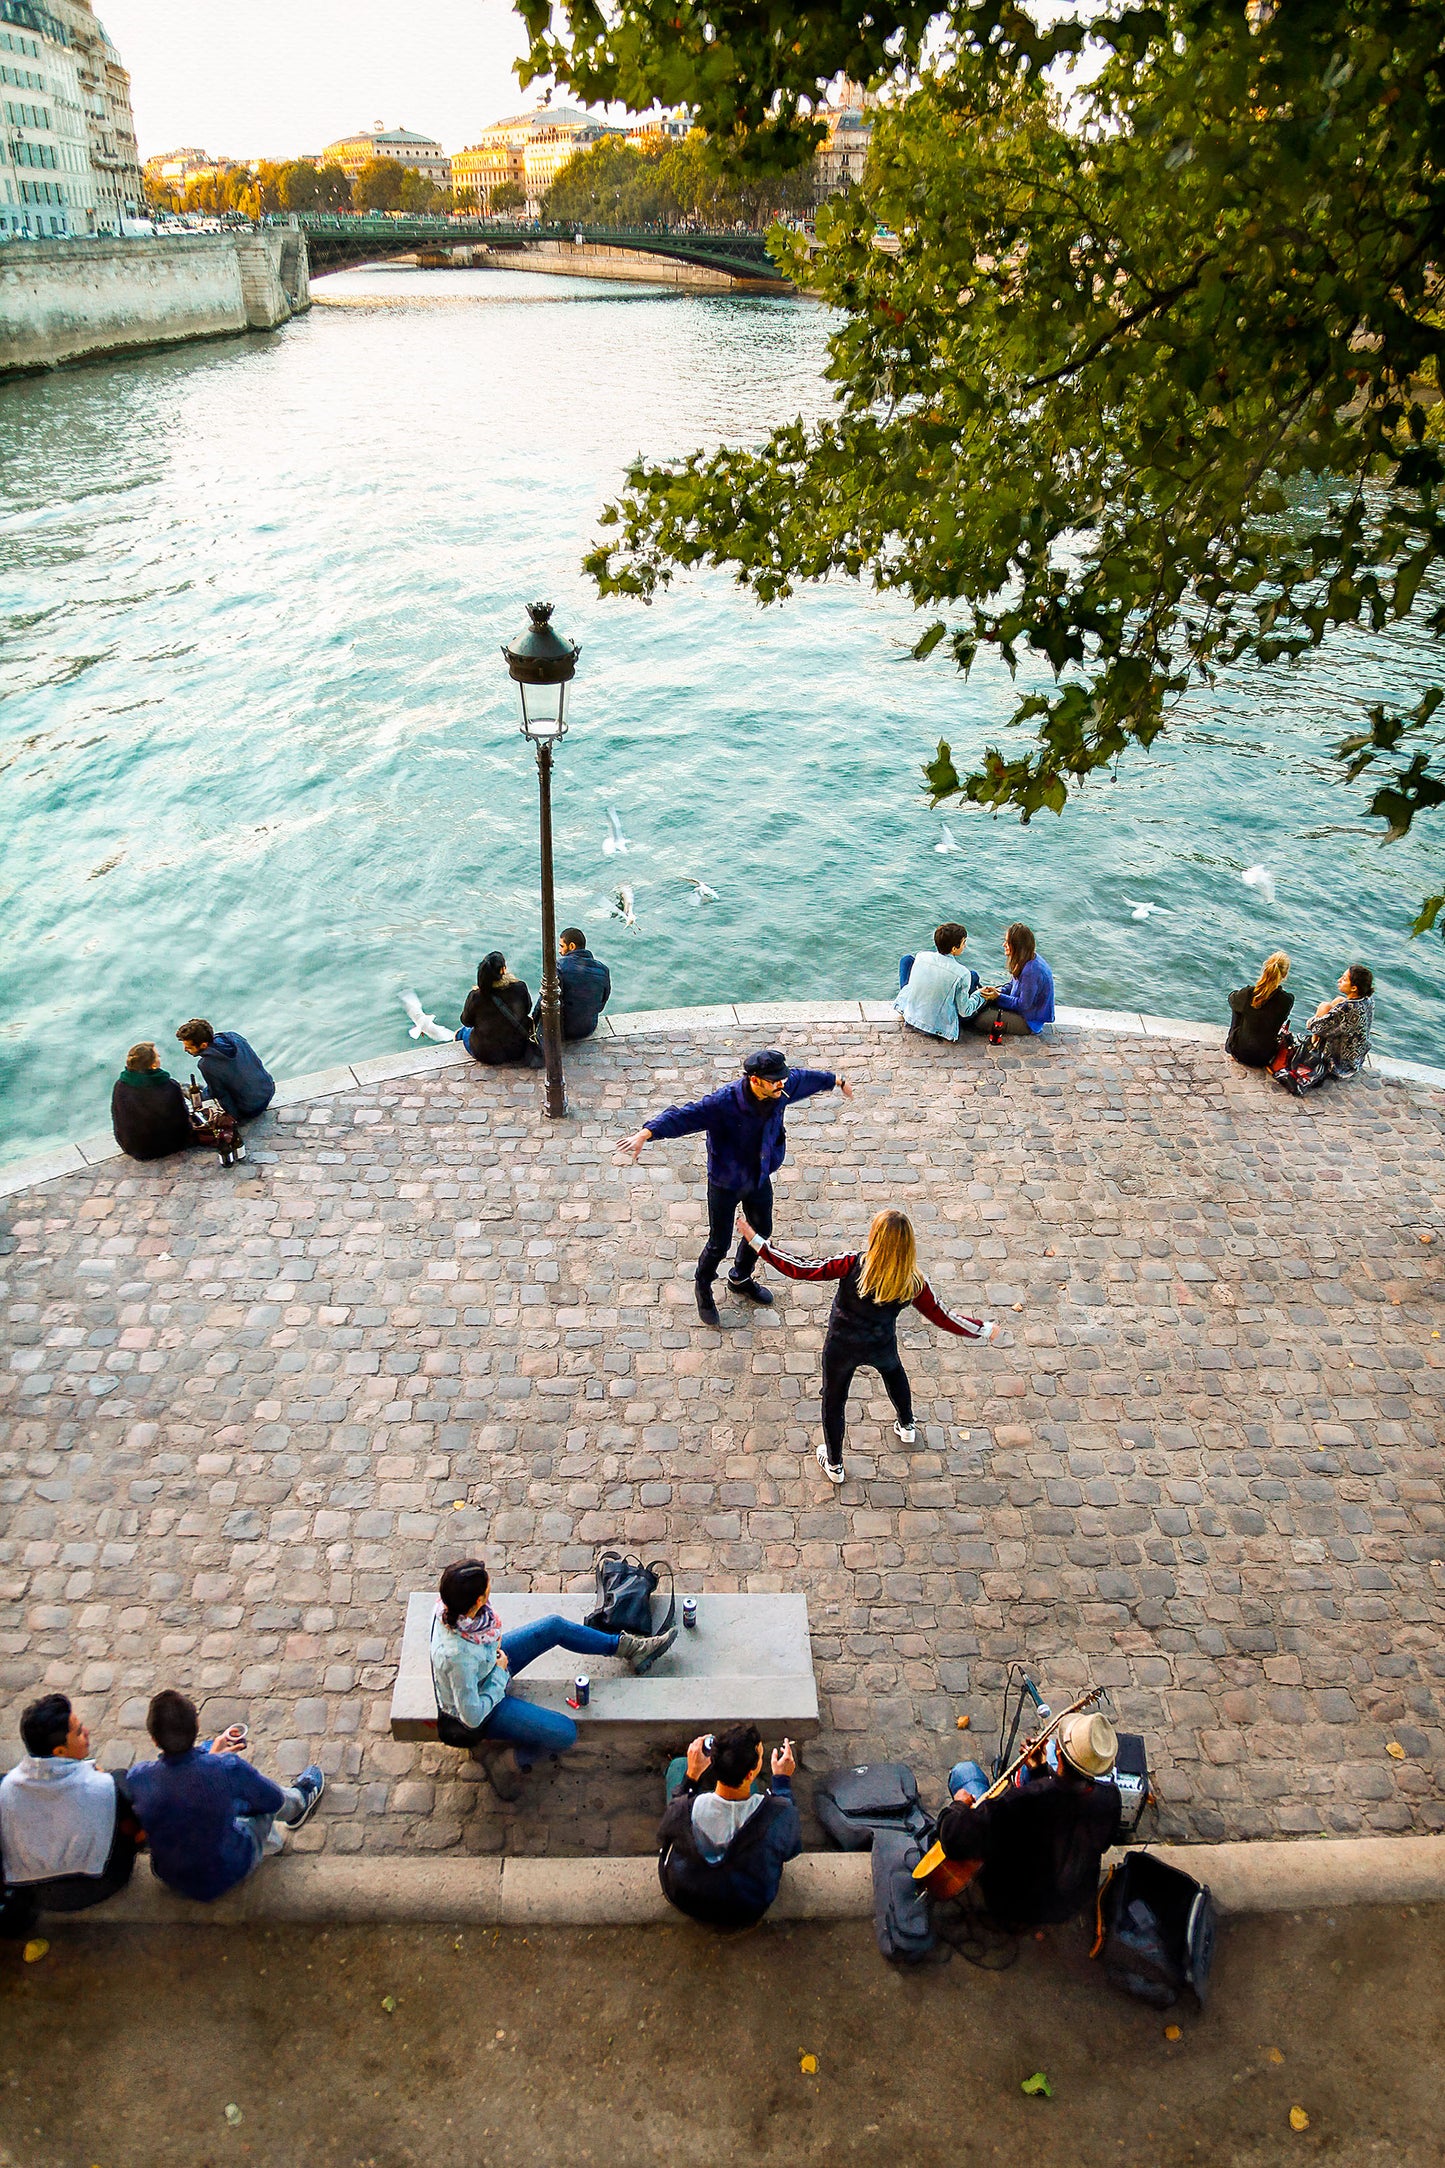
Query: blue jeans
[[531, 1729], [905, 966], [465, 1036], [966, 1776]]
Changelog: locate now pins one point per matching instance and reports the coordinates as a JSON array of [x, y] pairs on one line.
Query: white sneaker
[[908, 1432], [834, 1474]]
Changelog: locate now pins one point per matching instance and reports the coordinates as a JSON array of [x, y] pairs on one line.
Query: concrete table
[[748, 1660]]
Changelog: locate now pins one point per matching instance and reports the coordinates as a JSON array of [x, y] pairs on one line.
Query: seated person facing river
[[1258, 1014], [149, 1113], [473, 1661], [497, 1017], [1025, 1002], [935, 991], [725, 1837]]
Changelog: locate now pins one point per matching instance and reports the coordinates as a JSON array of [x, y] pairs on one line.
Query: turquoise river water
[[259, 757]]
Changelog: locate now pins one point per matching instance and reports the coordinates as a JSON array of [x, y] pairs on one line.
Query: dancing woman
[[873, 1286]]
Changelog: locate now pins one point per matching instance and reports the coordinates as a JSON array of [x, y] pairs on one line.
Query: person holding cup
[[727, 1835]]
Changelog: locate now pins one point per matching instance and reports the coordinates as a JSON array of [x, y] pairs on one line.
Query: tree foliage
[[679, 180], [1148, 389]]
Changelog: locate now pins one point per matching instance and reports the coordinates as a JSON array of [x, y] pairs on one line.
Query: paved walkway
[[244, 1413]]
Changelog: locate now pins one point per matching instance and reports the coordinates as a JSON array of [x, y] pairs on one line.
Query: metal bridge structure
[[336, 239]]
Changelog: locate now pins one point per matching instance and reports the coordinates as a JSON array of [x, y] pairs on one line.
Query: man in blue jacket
[[235, 1075], [208, 1815], [746, 1144], [586, 985]]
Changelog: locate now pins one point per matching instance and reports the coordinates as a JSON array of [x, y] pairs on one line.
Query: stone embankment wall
[[583, 261], [66, 301]]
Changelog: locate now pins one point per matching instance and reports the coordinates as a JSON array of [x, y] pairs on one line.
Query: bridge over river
[[336, 240]]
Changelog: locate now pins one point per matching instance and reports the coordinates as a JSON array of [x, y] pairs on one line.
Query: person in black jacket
[[1041, 1843], [148, 1110], [725, 1838], [497, 1016], [1258, 1015], [586, 986]]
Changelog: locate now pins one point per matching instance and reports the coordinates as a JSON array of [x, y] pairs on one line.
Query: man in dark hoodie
[[586, 985], [234, 1073], [725, 1838]]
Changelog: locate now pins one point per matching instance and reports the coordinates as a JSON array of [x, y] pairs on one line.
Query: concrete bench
[[748, 1660]]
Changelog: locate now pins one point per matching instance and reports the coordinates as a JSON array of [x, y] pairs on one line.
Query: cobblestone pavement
[[244, 1413]]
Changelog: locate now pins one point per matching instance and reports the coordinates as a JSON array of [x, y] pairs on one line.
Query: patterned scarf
[[485, 1627]]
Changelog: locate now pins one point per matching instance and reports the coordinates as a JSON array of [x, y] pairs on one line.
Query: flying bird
[[622, 908], [948, 843], [422, 1025], [1144, 910], [1261, 880], [701, 893], [614, 840]]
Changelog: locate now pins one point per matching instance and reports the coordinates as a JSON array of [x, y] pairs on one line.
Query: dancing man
[[746, 1145], [863, 1327]]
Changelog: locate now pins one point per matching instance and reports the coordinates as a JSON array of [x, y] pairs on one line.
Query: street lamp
[[542, 665]]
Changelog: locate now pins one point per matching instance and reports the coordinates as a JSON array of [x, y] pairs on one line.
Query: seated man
[[234, 1073], [68, 1832], [935, 991], [208, 1815], [1041, 1842], [586, 985], [725, 1836]]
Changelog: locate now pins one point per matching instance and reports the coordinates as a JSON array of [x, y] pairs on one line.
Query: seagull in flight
[[1144, 910], [1261, 880], [614, 840], [422, 1025], [701, 893], [948, 843]]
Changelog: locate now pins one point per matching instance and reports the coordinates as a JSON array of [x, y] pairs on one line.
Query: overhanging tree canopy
[[1150, 386]]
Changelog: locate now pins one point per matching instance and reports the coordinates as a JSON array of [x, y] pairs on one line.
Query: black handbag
[[625, 1588]]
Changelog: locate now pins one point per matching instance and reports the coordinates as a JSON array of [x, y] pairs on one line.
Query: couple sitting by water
[[1334, 1043], [937, 993], [500, 1022], [152, 1115]]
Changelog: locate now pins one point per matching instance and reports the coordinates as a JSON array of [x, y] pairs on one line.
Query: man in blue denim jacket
[[746, 1144]]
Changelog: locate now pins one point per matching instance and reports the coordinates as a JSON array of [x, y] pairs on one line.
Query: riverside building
[[67, 149], [417, 153], [528, 150]]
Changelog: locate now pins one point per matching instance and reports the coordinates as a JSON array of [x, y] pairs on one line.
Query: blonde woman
[[1259, 1014], [873, 1286]]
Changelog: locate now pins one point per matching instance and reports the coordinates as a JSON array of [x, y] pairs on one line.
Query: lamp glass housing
[[544, 711], [542, 666]]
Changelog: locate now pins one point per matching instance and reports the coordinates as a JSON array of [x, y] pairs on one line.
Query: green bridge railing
[[332, 234]]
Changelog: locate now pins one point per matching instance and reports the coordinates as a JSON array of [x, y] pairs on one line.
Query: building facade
[[110, 125], [839, 161], [68, 164], [418, 153], [528, 150]]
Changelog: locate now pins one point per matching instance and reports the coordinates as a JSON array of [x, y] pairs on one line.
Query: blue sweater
[[236, 1075], [1031, 994], [188, 1804], [746, 1141]]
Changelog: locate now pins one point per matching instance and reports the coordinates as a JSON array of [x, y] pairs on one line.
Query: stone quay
[[245, 1413]]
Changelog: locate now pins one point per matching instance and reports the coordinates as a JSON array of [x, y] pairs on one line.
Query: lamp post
[[542, 665]]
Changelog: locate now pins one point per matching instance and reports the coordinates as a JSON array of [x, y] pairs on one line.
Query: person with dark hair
[[68, 1831], [235, 1075], [1336, 1040], [497, 1017], [725, 1837], [149, 1112], [1025, 1001], [746, 1145], [209, 1817], [586, 986], [1258, 1015], [473, 1663], [935, 991]]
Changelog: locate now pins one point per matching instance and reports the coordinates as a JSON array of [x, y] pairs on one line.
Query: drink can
[[689, 1610], [582, 1690]]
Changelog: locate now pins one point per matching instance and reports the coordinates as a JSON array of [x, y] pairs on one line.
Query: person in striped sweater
[[873, 1286]]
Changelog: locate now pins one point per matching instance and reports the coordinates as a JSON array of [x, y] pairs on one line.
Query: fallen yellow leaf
[[1174, 2032], [1298, 2120], [808, 2064], [35, 1950], [964, 1722], [1275, 2056], [1394, 1749]]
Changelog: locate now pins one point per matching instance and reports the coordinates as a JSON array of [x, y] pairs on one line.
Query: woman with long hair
[[497, 1016], [873, 1286], [473, 1663], [1259, 1013], [1025, 1001]]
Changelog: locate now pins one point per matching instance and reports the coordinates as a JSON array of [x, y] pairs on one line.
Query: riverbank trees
[[1150, 387], [687, 179]]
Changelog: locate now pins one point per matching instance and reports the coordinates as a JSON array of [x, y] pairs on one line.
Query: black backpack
[[854, 1804], [624, 1595], [1157, 1931], [901, 1920]]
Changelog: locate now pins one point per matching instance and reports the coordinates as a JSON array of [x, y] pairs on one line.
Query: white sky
[[273, 78]]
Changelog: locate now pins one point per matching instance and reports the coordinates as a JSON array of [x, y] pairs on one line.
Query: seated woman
[[472, 1661], [497, 1016], [149, 1113], [1026, 1001], [1336, 1039], [1259, 1014]]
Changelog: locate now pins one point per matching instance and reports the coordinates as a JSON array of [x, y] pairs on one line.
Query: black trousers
[[722, 1212], [841, 1359], [985, 1018], [25, 1901]]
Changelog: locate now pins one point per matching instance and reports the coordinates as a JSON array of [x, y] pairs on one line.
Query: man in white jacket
[[68, 1834]]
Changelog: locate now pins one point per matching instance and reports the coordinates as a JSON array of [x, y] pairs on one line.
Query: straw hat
[[1090, 1744]]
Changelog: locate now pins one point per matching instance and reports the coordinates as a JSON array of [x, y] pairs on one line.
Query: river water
[[259, 757]]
